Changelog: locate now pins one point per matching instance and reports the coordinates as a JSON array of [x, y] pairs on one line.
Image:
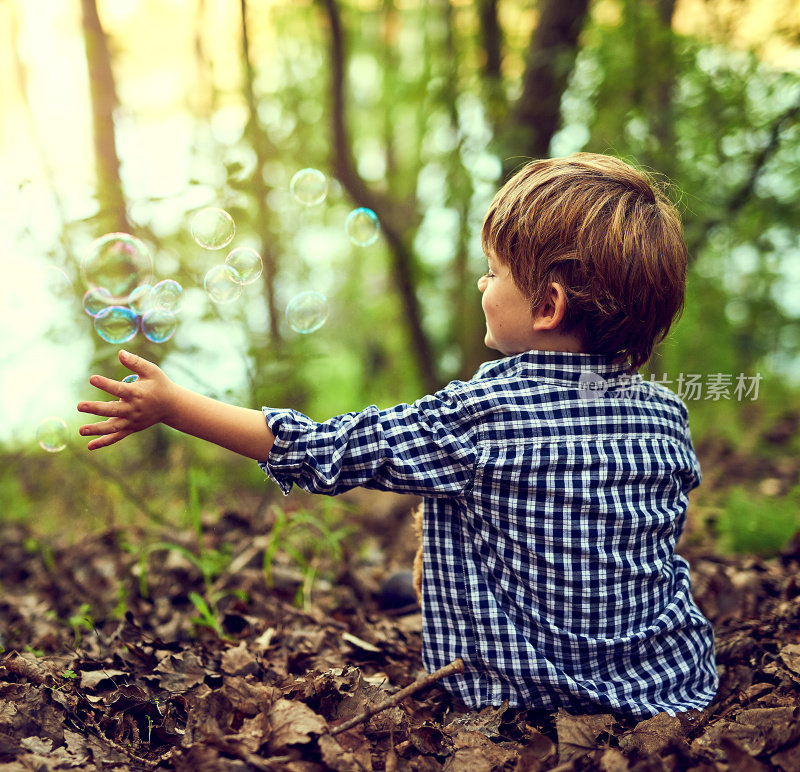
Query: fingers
[[108, 409], [115, 388], [137, 364], [106, 440]]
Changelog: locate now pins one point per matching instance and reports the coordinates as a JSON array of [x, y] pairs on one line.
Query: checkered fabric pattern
[[550, 524]]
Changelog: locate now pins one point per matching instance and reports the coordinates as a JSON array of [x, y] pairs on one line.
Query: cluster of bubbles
[[214, 229], [310, 187], [308, 311], [117, 269]]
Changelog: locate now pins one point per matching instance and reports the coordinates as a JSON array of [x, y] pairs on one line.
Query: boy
[[555, 481]]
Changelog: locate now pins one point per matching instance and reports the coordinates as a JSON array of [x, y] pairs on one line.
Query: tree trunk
[[259, 143], [113, 214], [403, 263], [550, 59]]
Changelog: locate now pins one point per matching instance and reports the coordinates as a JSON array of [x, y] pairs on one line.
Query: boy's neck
[[555, 340]]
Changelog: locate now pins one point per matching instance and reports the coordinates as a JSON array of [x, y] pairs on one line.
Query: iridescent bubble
[[52, 434], [168, 296], [130, 378], [247, 263], [116, 324], [362, 226], [309, 187], [307, 312], [212, 228], [56, 282], [119, 262], [140, 299], [222, 284], [96, 299], [159, 325]]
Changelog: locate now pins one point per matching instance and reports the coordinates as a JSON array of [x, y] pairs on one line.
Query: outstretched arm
[[153, 398]]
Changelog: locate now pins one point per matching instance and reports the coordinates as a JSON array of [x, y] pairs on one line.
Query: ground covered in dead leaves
[[112, 663]]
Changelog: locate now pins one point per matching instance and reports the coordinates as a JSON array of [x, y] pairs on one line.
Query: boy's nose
[[482, 282]]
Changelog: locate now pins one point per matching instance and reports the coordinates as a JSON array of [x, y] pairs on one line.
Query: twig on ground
[[456, 666]]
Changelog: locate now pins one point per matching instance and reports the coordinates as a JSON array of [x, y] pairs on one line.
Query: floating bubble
[[223, 284], [56, 282], [362, 226], [159, 325], [307, 312], [140, 299], [119, 262], [247, 263], [130, 378], [96, 299], [309, 187], [116, 324], [52, 434], [167, 295], [212, 228]]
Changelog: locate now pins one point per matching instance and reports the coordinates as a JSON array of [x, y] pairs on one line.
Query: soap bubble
[[362, 226], [140, 299], [116, 324], [119, 262], [96, 299], [309, 187], [56, 282], [159, 325], [52, 434], [130, 378], [307, 312], [212, 228], [222, 284], [247, 263], [167, 295]]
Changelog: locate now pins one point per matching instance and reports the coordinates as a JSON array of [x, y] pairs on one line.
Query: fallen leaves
[[336, 686]]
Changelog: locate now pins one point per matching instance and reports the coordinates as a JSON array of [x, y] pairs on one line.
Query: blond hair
[[608, 235]]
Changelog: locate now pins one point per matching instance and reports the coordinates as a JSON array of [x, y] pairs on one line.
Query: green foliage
[[307, 537], [757, 525], [424, 122]]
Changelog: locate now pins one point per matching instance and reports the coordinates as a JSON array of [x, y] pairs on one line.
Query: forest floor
[[112, 662]]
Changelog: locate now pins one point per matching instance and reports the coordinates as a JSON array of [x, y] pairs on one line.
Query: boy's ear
[[550, 313]]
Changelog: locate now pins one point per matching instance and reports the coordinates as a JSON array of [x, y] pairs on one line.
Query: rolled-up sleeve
[[426, 448]]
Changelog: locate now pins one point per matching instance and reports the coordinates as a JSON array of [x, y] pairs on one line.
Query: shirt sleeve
[[426, 448]]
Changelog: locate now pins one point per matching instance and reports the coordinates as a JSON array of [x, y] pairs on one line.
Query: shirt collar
[[555, 366]]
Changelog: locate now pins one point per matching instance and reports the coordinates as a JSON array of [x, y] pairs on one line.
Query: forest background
[[129, 116]]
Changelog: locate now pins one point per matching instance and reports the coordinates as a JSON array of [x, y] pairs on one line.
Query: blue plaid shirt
[[555, 491]]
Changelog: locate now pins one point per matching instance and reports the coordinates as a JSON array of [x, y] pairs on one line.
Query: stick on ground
[[456, 666]]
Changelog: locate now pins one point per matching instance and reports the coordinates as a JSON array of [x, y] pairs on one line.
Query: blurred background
[[130, 115]]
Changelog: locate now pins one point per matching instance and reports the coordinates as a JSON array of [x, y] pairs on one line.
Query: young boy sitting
[[555, 482]]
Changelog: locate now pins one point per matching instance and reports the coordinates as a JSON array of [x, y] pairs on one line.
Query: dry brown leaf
[[788, 759], [293, 723], [613, 760], [475, 752], [577, 735], [790, 656], [238, 661], [653, 736]]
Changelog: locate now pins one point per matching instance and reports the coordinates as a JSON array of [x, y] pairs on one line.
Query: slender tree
[[103, 91], [403, 261]]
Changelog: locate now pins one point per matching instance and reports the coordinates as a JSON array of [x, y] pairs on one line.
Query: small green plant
[[80, 623], [307, 537], [757, 525], [210, 562]]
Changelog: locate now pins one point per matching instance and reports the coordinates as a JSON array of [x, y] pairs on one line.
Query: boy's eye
[[488, 275]]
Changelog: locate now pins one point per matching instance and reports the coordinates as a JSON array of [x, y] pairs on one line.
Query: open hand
[[140, 404]]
